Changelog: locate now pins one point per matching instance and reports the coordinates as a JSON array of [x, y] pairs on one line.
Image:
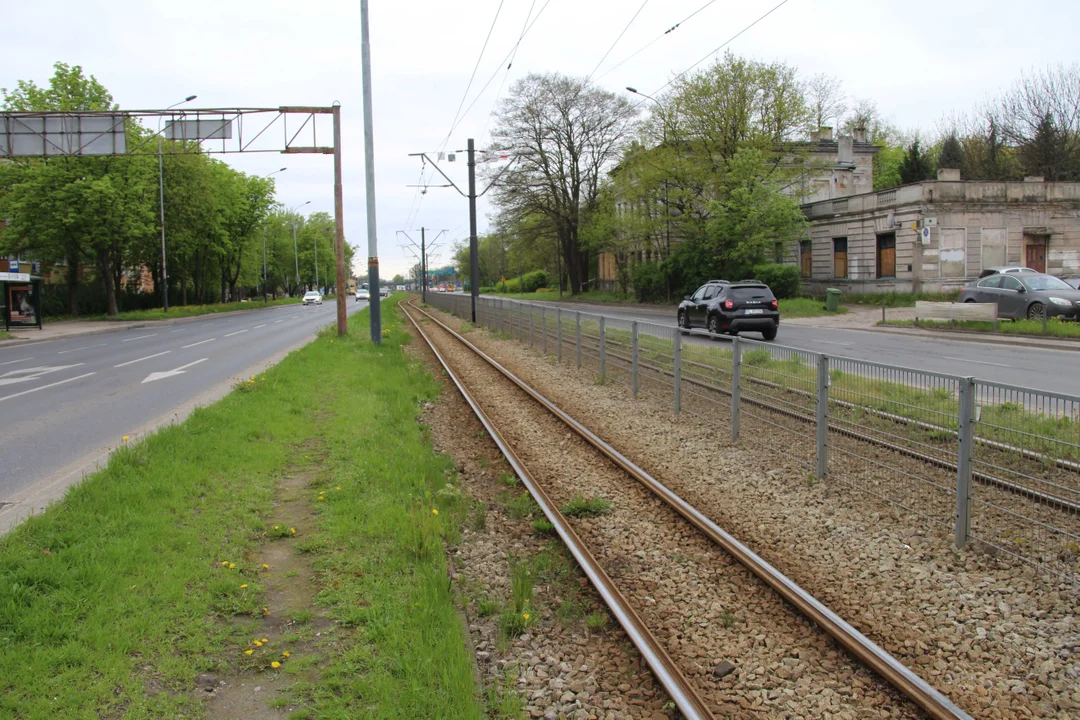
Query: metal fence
[[993, 463]]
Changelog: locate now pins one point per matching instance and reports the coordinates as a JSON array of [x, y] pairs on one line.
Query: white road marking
[[12, 362], [171, 373], [293, 317], [45, 387], [176, 331], [132, 362], [141, 337], [236, 333], [275, 322], [829, 342], [198, 343], [85, 347], [980, 362], [26, 374], [259, 326]]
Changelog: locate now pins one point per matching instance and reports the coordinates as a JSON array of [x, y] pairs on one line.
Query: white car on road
[[312, 297], [362, 294]]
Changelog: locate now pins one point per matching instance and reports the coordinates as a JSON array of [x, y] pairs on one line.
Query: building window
[[886, 255], [839, 253], [806, 265]]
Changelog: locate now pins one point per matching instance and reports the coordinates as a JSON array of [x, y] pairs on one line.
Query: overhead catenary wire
[[465, 95], [632, 19], [655, 40], [513, 56]]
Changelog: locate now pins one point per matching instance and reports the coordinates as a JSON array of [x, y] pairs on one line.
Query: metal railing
[[988, 462]]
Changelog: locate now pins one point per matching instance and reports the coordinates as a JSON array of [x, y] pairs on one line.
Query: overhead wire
[[509, 65], [652, 42], [632, 19], [472, 77]]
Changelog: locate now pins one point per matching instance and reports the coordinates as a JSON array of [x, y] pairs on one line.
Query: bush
[[649, 282], [487, 290], [782, 279], [532, 281]]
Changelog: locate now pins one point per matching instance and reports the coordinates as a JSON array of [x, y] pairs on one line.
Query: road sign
[[924, 235]]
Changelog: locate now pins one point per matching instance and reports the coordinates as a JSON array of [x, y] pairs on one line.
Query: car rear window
[[751, 293]]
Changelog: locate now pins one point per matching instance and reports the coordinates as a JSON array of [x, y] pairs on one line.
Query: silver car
[[1025, 295]]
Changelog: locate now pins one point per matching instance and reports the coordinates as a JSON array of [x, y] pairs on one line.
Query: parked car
[[312, 297], [1001, 270], [362, 294], [1025, 295], [1072, 282], [726, 307], [384, 292]]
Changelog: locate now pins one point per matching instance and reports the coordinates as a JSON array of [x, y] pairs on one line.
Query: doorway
[[840, 268], [886, 255], [1035, 252]]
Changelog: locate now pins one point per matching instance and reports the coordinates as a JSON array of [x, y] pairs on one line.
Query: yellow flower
[[244, 586], [265, 566], [248, 652], [525, 615], [265, 640], [275, 664], [292, 530], [232, 566], [266, 611], [224, 563], [126, 438], [256, 643], [434, 511], [338, 487], [285, 654], [276, 527]]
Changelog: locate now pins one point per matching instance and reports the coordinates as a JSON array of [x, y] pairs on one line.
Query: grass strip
[[789, 308], [115, 599], [1054, 327]]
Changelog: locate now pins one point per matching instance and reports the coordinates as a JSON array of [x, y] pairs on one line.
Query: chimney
[[948, 174], [845, 150], [1034, 179], [860, 134], [825, 132]]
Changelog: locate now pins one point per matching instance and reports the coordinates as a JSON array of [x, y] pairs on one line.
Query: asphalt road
[[1038, 368], [63, 401]]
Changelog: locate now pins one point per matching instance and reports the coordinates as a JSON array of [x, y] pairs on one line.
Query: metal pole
[[633, 358], [558, 334], [677, 372], [369, 175], [822, 437], [423, 266], [530, 325], [474, 252], [264, 263], [577, 337], [296, 256], [543, 327], [315, 243], [339, 230], [736, 387], [963, 460], [603, 348], [161, 206]]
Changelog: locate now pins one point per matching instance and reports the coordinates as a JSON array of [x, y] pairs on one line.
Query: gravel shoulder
[[999, 638]]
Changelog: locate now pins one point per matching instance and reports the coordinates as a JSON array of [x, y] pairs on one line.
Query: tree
[[399, 279], [1047, 153], [565, 134], [1040, 115], [825, 99], [952, 154], [915, 166]]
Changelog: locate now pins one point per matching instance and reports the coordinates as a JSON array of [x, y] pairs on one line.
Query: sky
[[919, 60]]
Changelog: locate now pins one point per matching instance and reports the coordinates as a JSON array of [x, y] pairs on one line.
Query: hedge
[[782, 279]]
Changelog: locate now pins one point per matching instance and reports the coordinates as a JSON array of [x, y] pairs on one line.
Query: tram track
[[483, 371]]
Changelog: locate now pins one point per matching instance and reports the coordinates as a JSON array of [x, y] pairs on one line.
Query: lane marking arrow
[[25, 374], [171, 373], [45, 387]]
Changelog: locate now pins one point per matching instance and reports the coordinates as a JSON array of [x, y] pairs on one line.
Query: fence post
[[677, 371], [736, 387], [603, 349], [577, 336], [633, 357], [822, 453], [530, 326], [558, 335], [963, 460], [543, 328]]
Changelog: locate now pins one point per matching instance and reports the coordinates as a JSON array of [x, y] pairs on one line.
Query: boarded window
[[886, 255], [806, 263], [994, 243], [953, 253], [839, 250]]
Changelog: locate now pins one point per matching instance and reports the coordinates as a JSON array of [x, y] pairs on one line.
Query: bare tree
[[565, 133], [826, 100], [1040, 116]]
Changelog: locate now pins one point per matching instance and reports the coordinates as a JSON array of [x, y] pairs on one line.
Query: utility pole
[[339, 230], [474, 250], [369, 176], [423, 266], [264, 263]]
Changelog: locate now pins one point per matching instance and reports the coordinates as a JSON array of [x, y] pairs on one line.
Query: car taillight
[[728, 305], [775, 304]]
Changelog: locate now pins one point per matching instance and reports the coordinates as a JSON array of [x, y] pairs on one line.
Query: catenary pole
[[474, 259], [423, 266], [369, 176]]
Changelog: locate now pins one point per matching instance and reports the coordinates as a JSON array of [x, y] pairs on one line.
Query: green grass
[[791, 308], [1054, 327], [589, 296], [581, 506], [181, 311], [4, 335], [113, 600]]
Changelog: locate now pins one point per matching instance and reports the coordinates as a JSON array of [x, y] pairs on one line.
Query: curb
[[984, 338]]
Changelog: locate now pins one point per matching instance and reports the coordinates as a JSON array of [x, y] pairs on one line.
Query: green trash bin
[[832, 300]]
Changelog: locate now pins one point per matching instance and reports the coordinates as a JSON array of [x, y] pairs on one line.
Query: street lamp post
[[161, 205], [264, 239], [296, 254]]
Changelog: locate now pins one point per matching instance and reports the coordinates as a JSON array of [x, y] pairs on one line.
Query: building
[[939, 234]]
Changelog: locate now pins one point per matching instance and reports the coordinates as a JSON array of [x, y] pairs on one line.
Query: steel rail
[[869, 653], [678, 687]]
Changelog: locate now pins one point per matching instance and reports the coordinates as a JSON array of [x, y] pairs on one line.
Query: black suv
[[731, 307]]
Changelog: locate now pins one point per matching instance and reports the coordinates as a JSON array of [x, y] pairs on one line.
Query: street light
[[161, 205], [264, 237], [296, 255]]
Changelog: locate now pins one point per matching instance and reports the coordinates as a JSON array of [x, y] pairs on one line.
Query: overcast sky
[[919, 59]]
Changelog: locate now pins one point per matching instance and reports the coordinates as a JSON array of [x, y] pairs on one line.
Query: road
[[65, 403], [1039, 368]]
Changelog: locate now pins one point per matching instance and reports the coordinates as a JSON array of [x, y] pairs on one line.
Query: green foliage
[[782, 279], [887, 163], [650, 282], [530, 281], [916, 165], [581, 506], [952, 155]]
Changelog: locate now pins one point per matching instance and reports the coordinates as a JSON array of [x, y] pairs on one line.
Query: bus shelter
[[21, 300]]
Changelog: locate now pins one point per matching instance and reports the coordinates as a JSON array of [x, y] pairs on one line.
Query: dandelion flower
[[338, 487], [244, 586], [525, 615], [275, 664], [256, 643], [232, 566], [266, 611], [224, 563], [126, 438], [265, 566], [265, 640], [248, 652], [434, 511], [292, 530], [285, 654]]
